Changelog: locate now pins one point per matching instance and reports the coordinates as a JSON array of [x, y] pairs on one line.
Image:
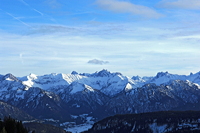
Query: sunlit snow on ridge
[[105, 81]]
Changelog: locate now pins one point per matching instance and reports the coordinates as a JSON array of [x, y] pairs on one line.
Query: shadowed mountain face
[[44, 128], [60, 97], [9, 110]]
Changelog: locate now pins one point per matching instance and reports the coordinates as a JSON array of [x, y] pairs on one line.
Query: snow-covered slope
[[106, 82], [48, 81], [165, 77]]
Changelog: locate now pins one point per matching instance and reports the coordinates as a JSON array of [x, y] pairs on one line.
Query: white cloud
[[184, 4], [97, 62], [22, 1], [127, 7]]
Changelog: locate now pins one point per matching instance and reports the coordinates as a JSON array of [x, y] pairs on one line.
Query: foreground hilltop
[[154, 122]]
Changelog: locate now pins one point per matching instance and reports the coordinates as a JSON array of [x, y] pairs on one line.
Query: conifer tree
[[3, 130]]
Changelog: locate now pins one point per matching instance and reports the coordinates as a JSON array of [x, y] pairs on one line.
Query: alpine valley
[[75, 101]]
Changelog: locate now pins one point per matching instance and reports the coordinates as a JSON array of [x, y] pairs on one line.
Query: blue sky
[[128, 36]]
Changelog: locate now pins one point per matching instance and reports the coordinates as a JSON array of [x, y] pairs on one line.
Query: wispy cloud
[[21, 58], [97, 62], [16, 18], [24, 2], [183, 4], [127, 7], [52, 29], [53, 4], [38, 12]]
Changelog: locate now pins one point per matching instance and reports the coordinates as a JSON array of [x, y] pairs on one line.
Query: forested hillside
[[154, 122], [10, 125]]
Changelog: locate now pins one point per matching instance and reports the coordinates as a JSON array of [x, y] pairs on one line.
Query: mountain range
[[71, 99]]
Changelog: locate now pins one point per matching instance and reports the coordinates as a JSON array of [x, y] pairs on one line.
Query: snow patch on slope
[[79, 128], [128, 87], [158, 129]]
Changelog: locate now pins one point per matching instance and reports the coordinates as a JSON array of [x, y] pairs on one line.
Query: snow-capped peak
[[136, 77], [10, 77], [161, 74], [74, 72], [164, 77], [32, 76], [77, 87], [103, 73]]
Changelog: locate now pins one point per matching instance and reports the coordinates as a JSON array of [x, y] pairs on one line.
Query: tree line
[[10, 125]]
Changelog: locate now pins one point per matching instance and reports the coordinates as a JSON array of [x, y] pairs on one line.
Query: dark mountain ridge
[[151, 122]]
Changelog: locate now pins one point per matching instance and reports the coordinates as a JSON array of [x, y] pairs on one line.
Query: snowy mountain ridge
[[105, 81], [110, 83], [164, 77]]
